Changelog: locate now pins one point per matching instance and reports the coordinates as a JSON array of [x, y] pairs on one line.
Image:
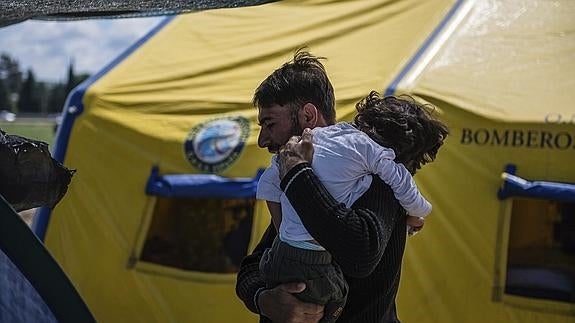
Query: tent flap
[[201, 185], [517, 186]]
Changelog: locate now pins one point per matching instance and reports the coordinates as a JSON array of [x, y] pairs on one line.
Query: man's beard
[[296, 130]]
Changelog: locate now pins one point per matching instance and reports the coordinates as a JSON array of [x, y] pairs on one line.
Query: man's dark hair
[[300, 81], [403, 125]]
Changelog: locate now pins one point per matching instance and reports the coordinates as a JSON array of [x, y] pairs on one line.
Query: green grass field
[[37, 129]]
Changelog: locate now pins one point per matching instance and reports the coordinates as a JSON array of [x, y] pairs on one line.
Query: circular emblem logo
[[214, 145]]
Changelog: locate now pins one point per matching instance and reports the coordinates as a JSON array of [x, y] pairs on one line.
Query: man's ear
[[308, 116]]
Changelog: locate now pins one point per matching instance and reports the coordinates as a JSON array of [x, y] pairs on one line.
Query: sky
[[48, 47]]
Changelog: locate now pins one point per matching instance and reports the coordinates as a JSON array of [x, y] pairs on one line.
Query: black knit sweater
[[367, 241]]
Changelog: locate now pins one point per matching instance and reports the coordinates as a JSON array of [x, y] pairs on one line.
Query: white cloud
[[47, 47]]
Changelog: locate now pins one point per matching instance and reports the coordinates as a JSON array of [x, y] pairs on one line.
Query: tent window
[[540, 260], [541, 250], [199, 234], [199, 222]]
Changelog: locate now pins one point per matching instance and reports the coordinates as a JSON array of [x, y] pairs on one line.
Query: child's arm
[[276, 213], [380, 160], [404, 188]]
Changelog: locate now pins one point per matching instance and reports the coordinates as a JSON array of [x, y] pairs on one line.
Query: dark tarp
[[16, 11], [19, 301], [29, 176], [33, 287]]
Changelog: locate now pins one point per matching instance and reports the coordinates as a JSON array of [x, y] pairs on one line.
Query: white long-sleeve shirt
[[344, 157]]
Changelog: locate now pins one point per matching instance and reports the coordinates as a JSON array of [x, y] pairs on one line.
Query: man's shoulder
[[342, 134], [338, 128]]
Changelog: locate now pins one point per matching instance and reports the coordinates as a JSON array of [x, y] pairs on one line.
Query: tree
[[10, 72], [30, 95], [28, 100], [41, 93], [56, 98], [70, 83], [73, 79], [59, 91], [4, 96], [12, 78]]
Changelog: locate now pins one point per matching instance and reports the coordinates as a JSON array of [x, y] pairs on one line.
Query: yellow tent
[[497, 251], [164, 139]]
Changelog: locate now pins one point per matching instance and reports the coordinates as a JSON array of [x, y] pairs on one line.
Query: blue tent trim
[[393, 86], [74, 107], [201, 186], [515, 186]]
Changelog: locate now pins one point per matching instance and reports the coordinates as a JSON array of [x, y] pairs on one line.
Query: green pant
[[325, 284]]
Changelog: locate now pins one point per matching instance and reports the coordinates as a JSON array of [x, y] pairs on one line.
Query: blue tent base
[[515, 186]]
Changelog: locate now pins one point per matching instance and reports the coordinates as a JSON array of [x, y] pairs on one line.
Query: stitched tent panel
[[517, 58]]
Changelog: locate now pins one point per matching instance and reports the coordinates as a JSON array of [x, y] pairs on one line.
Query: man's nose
[[263, 139]]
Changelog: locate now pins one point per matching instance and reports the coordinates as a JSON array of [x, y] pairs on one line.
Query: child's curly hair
[[403, 125]]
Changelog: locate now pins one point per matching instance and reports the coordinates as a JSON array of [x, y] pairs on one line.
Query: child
[[345, 156]]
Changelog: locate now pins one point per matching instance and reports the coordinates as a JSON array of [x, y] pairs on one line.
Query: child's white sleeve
[[380, 161], [269, 184]]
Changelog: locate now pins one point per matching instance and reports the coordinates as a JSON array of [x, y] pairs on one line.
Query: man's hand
[[279, 305], [296, 151]]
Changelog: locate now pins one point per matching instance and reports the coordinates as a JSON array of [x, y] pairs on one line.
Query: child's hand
[[415, 224], [296, 151]]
